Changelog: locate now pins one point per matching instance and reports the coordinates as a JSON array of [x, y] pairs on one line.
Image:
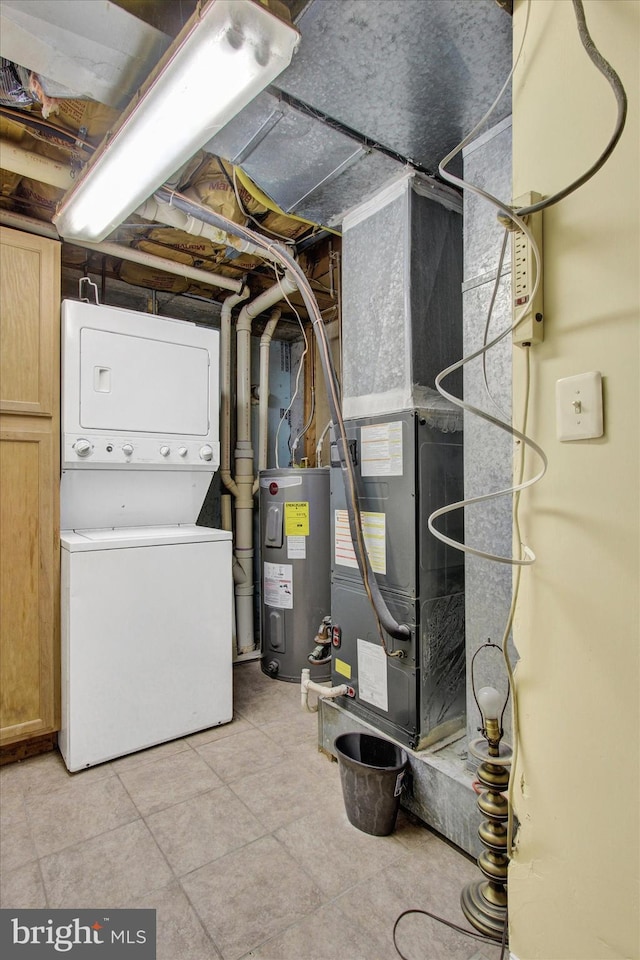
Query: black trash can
[[371, 772]]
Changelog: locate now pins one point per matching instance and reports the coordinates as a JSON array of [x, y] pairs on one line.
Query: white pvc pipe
[[33, 165], [324, 693], [225, 389], [17, 221], [157, 212], [268, 298], [263, 397], [225, 511], [120, 252], [225, 520], [162, 212], [164, 263], [244, 478]]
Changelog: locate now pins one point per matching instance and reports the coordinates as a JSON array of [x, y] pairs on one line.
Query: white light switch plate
[[579, 407]]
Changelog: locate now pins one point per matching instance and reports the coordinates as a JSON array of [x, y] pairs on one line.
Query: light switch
[[579, 407]]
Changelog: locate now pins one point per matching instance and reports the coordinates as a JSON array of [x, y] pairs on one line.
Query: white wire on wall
[[320, 444], [516, 218], [526, 554], [312, 413], [298, 375], [515, 593], [494, 294]]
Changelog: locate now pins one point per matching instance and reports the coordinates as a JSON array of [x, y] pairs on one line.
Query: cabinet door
[[28, 586], [29, 306], [30, 482]]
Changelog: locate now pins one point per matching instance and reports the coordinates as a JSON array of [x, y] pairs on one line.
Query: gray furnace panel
[[407, 464]]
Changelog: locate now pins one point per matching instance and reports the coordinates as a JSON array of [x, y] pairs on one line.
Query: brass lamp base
[[484, 902], [489, 918]]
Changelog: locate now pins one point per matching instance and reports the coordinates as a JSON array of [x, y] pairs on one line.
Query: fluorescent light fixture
[[226, 54]]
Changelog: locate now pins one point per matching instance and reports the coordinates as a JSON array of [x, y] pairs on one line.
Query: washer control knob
[[127, 449], [165, 451], [183, 451], [206, 453], [83, 447]]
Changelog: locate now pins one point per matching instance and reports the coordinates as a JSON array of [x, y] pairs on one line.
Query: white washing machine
[[146, 594]]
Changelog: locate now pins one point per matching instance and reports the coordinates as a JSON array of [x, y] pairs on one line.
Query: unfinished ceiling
[[375, 85]]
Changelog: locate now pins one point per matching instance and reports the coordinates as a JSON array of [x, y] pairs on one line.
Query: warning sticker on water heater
[[278, 585], [372, 674], [296, 518], [296, 548], [381, 450]]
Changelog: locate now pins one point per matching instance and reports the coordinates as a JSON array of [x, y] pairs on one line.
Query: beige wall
[[573, 885]]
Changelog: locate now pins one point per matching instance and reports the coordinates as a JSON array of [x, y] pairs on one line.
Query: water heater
[[296, 570]]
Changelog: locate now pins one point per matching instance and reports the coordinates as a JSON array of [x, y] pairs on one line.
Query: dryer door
[[142, 385]]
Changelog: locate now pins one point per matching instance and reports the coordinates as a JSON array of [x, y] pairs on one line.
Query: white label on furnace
[[278, 585], [372, 674], [296, 548], [374, 530], [381, 450]]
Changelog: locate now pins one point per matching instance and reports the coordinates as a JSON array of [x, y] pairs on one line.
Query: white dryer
[[146, 593]]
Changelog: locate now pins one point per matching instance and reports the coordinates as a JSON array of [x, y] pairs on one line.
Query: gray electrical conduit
[[386, 621]]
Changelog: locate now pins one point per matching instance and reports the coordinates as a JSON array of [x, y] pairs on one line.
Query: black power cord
[[453, 926]]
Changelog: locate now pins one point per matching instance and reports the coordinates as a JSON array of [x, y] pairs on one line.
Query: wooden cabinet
[[29, 487]]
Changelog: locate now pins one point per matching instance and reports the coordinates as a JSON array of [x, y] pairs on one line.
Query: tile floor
[[237, 836]]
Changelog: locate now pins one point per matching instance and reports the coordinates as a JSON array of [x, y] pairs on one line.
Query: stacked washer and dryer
[[146, 593]]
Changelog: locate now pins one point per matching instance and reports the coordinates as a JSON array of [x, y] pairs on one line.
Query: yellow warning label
[[342, 668], [296, 519]]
